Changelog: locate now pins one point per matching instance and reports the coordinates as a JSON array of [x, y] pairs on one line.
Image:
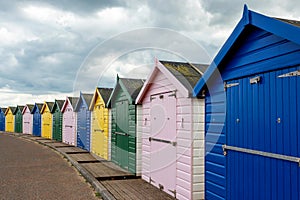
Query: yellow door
[[100, 129], [9, 121], [47, 124]]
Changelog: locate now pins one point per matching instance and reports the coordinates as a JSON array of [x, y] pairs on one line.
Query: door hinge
[[290, 74], [161, 187], [151, 180], [173, 95], [228, 85], [174, 192]]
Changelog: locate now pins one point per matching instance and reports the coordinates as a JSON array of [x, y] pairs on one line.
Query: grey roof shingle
[[3, 109], [133, 86], [39, 105], [105, 93], [30, 106], [73, 101], [289, 21], [88, 98], [50, 105], [188, 74]]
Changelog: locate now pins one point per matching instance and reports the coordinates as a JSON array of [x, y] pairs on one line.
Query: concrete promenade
[[32, 171]]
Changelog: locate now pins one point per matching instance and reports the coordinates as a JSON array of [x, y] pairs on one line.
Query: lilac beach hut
[[173, 130], [27, 119], [69, 129]]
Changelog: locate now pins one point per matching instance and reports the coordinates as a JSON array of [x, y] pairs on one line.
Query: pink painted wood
[[162, 146], [69, 123], [27, 120], [172, 136]]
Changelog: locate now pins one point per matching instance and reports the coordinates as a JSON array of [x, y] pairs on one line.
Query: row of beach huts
[[228, 130]]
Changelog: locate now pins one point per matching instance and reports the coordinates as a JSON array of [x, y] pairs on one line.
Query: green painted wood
[[123, 139], [18, 121], [57, 123]]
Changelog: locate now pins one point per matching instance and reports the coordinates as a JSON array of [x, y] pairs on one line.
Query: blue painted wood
[[260, 177], [251, 51], [83, 123], [250, 20], [2, 120], [36, 121]]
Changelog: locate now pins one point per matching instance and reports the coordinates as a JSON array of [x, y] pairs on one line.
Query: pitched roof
[[289, 21], [3, 110], [183, 76], [37, 106], [48, 104], [87, 98], [30, 107], [57, 103], [73, 101], [105, 93], [18, 108], [188, 74], [12, 108], [133, 86], [288, 29], [130, 86]]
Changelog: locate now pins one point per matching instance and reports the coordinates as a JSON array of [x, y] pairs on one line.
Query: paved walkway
[[32, 171]]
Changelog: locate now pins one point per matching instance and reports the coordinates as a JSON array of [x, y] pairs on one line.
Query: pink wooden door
[[163, 142], [69, 126], [27, 122]]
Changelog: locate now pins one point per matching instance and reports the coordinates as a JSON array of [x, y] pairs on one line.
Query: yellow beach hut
[[100, 122], [47, 120], [9, 119]]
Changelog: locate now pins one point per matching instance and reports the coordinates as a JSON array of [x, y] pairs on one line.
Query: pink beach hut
[[27, 119], [172, 131], [69, 128]]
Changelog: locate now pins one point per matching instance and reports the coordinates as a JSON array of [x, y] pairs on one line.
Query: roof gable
[[103, 93], [69, 100], [29, 107], [130, 86], [36, 106], [184, 76], [48, 105], [83, 99], [18, 109], [288, 29], [10, 108], [3, 110], [58, 104]]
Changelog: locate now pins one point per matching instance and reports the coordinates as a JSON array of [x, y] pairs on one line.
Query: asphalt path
[[31, 171]]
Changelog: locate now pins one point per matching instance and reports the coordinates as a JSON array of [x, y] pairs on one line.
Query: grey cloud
[[48, 57]]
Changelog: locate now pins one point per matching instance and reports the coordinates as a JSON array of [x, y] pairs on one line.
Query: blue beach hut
[[252, 112]]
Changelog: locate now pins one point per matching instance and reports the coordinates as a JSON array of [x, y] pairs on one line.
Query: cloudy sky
[[53, 48]]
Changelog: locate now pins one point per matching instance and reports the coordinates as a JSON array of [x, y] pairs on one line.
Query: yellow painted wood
[[9, 121], [99, 131], [46, 122]]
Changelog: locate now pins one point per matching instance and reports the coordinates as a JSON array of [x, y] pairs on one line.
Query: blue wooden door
[[2, 121], [262, 132], [36, 129], [83, 123]]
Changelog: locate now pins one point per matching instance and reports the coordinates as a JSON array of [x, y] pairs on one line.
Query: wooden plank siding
[[189, 137]]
